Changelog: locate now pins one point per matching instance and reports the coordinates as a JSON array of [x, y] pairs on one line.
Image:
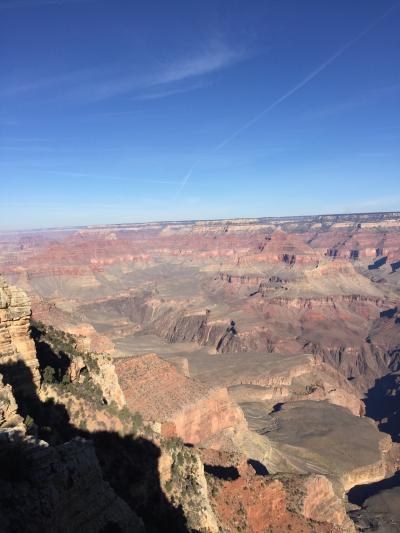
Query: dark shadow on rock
[[51, 421], [388, 313], [14, 462], [360, 493], [48, 356], [383, 404], [378, 263], [227, 473], [129, 464], [277, 407], [258, 467], [395, 266]]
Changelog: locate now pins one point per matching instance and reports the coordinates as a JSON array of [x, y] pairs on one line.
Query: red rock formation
[[160, 393], [244, 501]]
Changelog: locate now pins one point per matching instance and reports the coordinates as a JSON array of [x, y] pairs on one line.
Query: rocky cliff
[[184, 406], [245, 500], [58, 488], [15, 341], [42, 487]]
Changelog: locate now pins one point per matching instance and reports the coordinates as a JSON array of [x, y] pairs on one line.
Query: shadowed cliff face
[[383, 404], [380, 501], [128, 464]]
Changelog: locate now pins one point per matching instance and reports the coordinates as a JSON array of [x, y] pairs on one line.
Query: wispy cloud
[[214, 57], [171, 77], [165, 93], [162, 80], [63, 79]]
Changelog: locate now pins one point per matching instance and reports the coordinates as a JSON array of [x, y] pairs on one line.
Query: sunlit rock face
[[16, 345], [243, 499], [184, 406]]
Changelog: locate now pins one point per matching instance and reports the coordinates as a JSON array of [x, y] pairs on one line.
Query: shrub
[[137, 421], [66, 380], [174, 443], [29, 422], [124, 414], [49, 375]]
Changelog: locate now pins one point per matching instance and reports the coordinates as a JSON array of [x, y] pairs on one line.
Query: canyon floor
[[271, 347]]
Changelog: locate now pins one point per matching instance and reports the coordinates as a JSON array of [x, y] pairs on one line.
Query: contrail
[[294, 89], [185, 179]]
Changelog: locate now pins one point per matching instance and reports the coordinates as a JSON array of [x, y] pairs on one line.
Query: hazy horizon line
[[191, 221]]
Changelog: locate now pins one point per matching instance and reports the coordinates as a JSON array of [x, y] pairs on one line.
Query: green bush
[[29, 422], [49, 375], [137, 421]]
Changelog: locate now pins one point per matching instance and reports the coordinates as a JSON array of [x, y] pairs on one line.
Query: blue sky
[[118, 110]]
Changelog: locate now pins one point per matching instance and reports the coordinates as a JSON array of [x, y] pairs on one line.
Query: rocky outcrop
[[9, 416], [106, 378], [89, 340], [383, 404], [15, 342], [277, 378], [377, 471], [52, 488], [159, 392], [244, 500], [380, 512], [61, 486], [324, 438], [60, 489], [183, 481], [321, 503]]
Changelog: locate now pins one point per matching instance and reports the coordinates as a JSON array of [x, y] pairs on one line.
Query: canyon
[[244, 372]]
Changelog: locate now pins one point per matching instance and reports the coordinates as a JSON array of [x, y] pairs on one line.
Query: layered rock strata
[[185, 406], [15, 342], [246, 501]]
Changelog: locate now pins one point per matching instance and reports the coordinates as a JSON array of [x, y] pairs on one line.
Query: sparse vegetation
[[29, 422], [310, 389], [137, 422], [49, 375]]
